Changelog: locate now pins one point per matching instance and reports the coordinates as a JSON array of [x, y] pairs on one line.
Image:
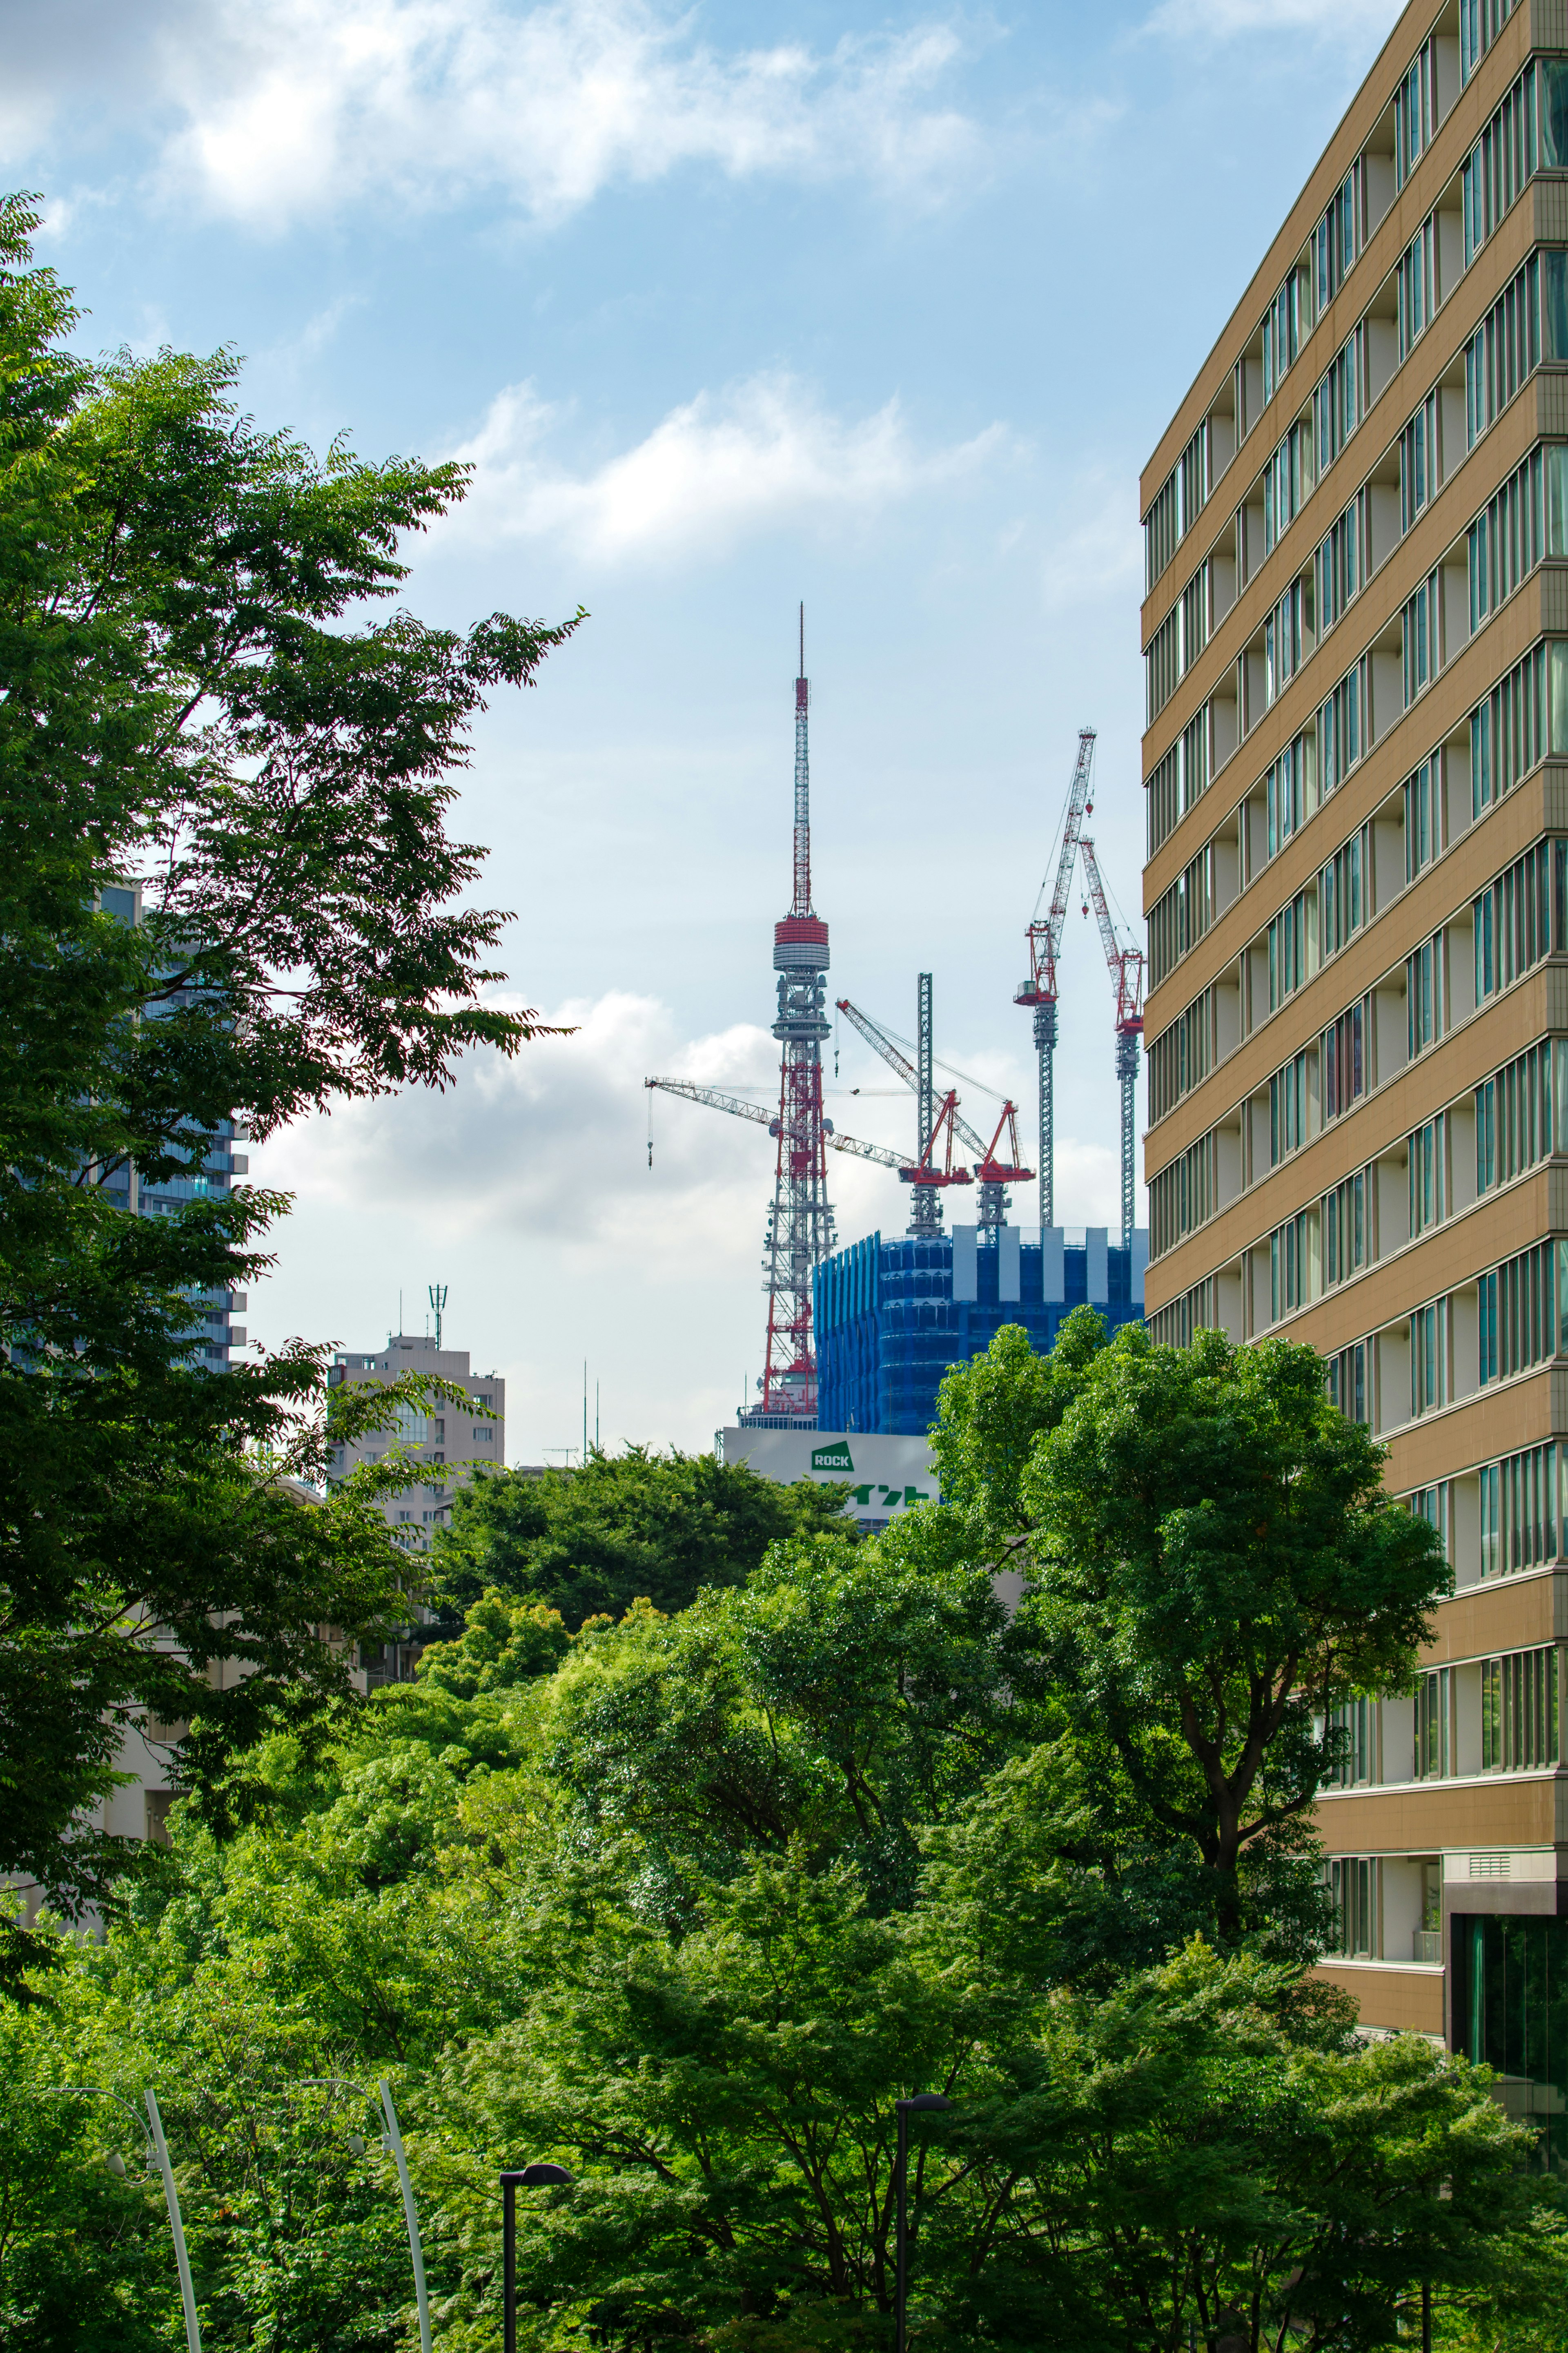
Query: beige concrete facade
[[1454, 1791]]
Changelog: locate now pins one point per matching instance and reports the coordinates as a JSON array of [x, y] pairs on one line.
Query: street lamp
[[532, 2177], [922, 2103], [410, 2211], [157, 2152]]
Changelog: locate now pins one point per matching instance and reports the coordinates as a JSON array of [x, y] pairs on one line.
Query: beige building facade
[[446, 1439], [1356, 769]]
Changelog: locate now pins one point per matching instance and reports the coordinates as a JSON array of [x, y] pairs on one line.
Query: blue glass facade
[[888, 1327]]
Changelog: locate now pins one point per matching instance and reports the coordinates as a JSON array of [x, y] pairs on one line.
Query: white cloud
[[755, 453], [551, 1147], [271, 111]]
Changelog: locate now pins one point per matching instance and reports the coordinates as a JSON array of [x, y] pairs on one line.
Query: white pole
[[410, 2215], [171, 2199]]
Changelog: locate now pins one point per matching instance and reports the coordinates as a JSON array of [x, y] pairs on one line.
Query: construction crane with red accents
[[992, 1176], [1039, 991], [1126, 967]]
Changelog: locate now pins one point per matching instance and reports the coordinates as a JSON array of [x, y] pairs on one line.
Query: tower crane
[[760, 1114], [1039, 990], [1126, 967], [990, 1174]]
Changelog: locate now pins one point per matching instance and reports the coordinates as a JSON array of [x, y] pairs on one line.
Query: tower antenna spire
[[800, 1230]]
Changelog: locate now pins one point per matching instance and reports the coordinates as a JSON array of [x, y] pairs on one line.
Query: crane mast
[[1126, 967], [992, 1176], [1039, 990]]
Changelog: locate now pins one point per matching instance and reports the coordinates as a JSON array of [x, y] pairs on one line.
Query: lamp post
[[922, 2103], [532, 2177], [410, 2211], [156, 2149]]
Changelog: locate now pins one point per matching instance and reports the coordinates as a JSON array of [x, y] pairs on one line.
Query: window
[[1420, 636], [1283, 484], [1424, 995], [1423, 796], [1348, 1382], [1499, 164], [485, 1432], [1480, 21], [1176, 506], [1181, 916], [1193, 609], [1429, 1150], [1181, 779], [1355, 1724], [1433, 1738], [1429, 1358], [1160, 534], [1413, 288], [1281, 334], [1337, 240], [1345, 1237], [1519, 1711], [1339, 400], [1512, 918], [1163, 662], [1182, 1197], [1506, 346], [1415, 113], [1288, 1108], [1520, 1516], [1289, 792], [1517, 1111], [1292, 948], [1288, 636], [1522, 1303], [1343, 891], [1508, 729], [1341, 727], [1342, 1049], [1340, 563], [1353, 1889], [1295, 1263], [1418, 461], [1507, 540], [1180, 1056]]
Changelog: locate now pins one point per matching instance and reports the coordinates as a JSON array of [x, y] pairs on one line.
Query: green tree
[[1212, 1566], [658, 1525], [197, 731]]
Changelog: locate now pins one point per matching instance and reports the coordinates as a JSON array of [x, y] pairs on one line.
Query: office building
[[1356, 770]]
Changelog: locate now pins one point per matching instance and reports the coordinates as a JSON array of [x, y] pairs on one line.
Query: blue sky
[[880, 307]]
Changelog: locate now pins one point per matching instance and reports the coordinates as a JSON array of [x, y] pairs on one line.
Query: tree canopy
[[642, 1523], [227, 894]]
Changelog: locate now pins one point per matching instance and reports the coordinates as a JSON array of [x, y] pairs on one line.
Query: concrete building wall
[[1298, 1079]]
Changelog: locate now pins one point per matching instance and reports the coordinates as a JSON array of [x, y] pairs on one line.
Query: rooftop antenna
[[438, 1302]]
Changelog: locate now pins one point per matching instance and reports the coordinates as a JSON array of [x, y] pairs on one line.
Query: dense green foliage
[[640, 1524], [683, 1902], [191, 704]]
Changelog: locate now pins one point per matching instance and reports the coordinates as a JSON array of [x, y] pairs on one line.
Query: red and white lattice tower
[[800, 1232]]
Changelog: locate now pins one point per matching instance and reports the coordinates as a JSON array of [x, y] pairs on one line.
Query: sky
[[728, 308]]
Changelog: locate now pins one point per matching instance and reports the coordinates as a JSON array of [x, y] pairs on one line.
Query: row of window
[[1507, 736], [1501, 1715], [1495, 1133]]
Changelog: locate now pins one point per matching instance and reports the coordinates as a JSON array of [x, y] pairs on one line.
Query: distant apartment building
[[448, 1441], [1356, 771]]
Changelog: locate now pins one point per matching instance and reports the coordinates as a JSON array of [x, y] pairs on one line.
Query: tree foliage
[[641, 1523], [195, 721]]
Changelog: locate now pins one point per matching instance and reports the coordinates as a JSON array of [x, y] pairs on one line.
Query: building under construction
[[859, 1339], [892, 1317]]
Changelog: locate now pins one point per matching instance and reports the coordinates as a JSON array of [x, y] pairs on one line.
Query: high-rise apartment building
[[1356, 762]]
